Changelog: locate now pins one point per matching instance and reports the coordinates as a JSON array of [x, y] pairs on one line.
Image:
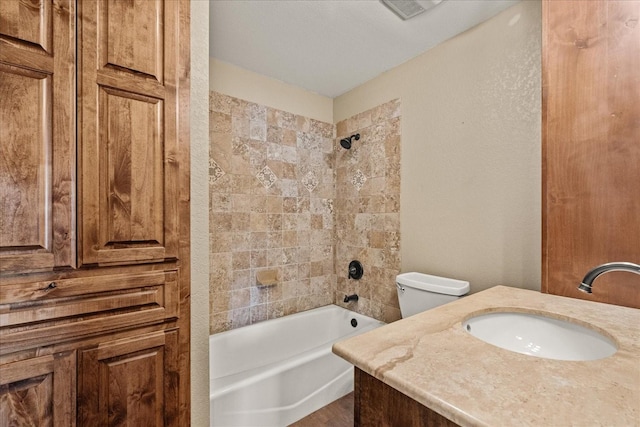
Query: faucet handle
[[355, 270]]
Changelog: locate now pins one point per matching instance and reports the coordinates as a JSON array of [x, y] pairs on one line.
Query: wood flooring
[[338, 413]]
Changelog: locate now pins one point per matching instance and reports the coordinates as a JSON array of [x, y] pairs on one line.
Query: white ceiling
[[332, 46]]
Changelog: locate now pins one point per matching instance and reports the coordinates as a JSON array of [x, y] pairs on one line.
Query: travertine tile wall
[[286, 197], [367, 210], [272, 185]]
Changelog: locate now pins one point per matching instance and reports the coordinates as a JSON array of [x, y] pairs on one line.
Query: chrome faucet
[[585, 286]]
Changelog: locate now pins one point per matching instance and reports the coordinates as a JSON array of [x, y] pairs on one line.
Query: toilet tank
[[418, 292]]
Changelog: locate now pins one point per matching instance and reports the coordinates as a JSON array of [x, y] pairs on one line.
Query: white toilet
[[419, 292]]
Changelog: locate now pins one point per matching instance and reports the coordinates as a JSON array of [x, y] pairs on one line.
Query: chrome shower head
[[346, 142]]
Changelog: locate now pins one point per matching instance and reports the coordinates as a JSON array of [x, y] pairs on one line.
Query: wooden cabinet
[[128, 138], [46, 312], [37, 145], [377, 404], [591, 146], [132, 380], [94, 220], [39, 391]]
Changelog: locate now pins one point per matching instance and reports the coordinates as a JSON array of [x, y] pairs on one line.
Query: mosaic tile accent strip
[[267, 177], [310, 181], [358, 180], [215, 171]]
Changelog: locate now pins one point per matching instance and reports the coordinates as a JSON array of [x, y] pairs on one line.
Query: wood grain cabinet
[[94, 219], [591, 146], [132, 380], [37, 128], [39, 391], [378, 404], [128, 138]]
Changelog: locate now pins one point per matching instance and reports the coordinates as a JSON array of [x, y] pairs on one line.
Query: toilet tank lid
[[436, 284]]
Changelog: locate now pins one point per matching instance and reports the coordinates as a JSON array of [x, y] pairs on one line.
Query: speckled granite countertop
[[430, 358]]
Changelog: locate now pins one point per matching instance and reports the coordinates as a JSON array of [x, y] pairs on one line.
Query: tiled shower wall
[[286, 197], [368, 210], [272, 190]]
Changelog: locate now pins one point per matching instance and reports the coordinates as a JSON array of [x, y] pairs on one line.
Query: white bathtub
[[276, 372]]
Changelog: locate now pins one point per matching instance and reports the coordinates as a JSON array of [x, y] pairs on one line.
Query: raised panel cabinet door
[[37, 135], [39, 391], [128, 131], [130, 382]]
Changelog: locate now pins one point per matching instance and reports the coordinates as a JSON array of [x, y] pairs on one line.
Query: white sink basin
[[540, 336]]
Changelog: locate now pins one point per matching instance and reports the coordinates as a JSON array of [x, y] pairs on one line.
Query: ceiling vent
[[406, 9]]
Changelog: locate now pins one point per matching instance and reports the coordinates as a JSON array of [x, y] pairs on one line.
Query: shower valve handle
[[355, 270]]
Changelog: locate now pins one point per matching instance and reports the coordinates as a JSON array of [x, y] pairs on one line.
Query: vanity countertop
[[431, 359]]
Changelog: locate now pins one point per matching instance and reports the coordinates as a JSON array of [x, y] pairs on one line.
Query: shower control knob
[[355, 270]]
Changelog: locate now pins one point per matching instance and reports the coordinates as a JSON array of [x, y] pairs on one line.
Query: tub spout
[[348, 298], [585, 286]]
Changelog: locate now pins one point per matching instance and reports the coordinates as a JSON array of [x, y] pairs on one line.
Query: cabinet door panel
[[138, 49], [39, 391], [29, 22], [37, 154], [130, 382], [25, 167], [128, 135], [133, 152], [591, 146]]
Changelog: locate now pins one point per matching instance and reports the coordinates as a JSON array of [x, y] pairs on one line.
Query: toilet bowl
[[418, 292]]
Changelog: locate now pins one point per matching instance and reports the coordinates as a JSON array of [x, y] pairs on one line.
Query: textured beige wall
[[199, 110], [240, 83], [471, 169]]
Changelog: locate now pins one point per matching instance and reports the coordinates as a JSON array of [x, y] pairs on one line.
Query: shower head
[[346, 142]]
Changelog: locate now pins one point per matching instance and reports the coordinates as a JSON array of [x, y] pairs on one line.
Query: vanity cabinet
[[378, 404], [406, 376], [591, 146], [94, 220]]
